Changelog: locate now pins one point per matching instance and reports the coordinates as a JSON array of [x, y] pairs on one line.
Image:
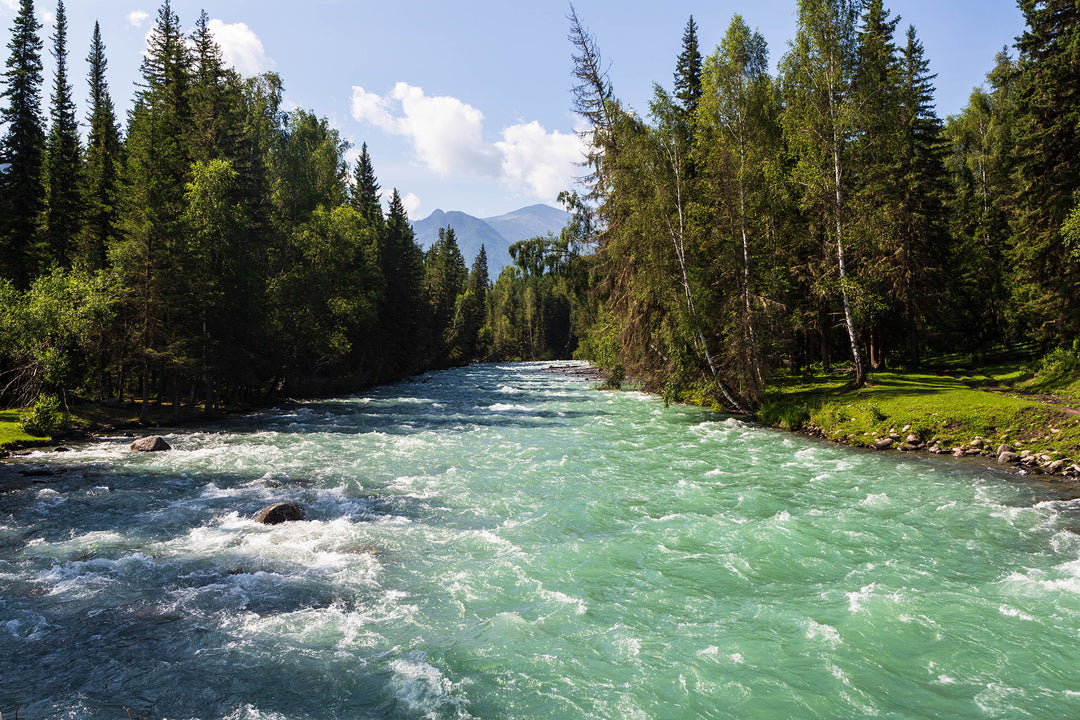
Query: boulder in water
[[278, 513], [153, 443]]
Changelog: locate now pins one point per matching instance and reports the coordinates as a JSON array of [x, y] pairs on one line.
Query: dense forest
[[217, 249], [826, 215]]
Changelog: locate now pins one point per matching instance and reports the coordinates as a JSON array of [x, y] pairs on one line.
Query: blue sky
[[465, 105]]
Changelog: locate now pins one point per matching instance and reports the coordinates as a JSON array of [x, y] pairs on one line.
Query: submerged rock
[[278, 513], [153, 443]]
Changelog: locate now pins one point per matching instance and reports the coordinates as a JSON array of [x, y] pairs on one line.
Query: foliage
[[44, 419]]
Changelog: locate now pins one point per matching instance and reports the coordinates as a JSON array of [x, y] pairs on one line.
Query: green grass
[[10, 434], [951, 408]]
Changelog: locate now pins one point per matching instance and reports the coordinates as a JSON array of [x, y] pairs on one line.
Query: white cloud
[[411, 203], [137, 18], [241, 48], [543, 161], [12, 5], [48, 17], [447, 136], [445, 132]]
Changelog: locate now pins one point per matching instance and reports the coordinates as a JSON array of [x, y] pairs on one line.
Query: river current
[[504, 542]]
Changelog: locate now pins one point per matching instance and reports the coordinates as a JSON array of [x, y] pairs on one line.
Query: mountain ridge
[[496, 233]]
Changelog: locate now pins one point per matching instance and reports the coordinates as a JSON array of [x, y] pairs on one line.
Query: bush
[[1060, 363], [781, 414], [44, 419]]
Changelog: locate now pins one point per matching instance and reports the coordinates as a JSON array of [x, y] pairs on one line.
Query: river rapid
[[502, 542]]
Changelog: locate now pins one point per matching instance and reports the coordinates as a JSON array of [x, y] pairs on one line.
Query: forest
[[826, 216], [218, 249]]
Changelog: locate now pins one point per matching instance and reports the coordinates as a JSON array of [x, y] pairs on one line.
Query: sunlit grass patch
[[10, 432]]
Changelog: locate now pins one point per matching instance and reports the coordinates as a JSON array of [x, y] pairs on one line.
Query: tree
[[593, 99], [63, 214], [737, 144], [22, 149], [920, 213], [1048, 178], [158, 167], [102, 164], [819, 123], [980, 162], [688, 70], [365, 197]]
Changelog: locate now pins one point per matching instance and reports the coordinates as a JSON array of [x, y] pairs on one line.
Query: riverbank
[[1008, 414]]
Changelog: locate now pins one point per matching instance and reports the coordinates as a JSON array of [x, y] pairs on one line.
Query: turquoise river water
[[506, 542]]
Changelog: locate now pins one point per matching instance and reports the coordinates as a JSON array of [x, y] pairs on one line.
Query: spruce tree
[[688, 70], [22, 149], [1048, 178], [365, 197], [920, 214], [158, 167], [101, 170], [874, 186], [64, 208]]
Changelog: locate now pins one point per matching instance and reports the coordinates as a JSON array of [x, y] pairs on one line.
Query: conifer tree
[[63, 213], [102, 165], [1048, 187], [874, 182], [688, 70], [365, 197], [158, 167], [22, 149], [920, 214]]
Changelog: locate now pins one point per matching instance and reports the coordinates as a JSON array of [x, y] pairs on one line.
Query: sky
[[465, 104]]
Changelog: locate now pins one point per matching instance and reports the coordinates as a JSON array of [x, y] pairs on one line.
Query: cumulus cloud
[[446, 133], [137, 18], [12, 5], [411, 203], [447, 136], [543, 161], [241, 48]]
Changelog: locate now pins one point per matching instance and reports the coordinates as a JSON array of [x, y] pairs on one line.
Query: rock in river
[[153, 443], [278, 513]]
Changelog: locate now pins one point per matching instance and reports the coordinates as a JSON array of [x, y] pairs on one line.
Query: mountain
[[496, 234]]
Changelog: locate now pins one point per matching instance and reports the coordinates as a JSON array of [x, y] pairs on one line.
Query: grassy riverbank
[[94, 417], [1028, 405]]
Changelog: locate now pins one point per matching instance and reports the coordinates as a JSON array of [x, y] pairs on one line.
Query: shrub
[[44, 419]]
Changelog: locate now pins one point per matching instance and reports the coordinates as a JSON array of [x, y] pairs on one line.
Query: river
[[504, 542]]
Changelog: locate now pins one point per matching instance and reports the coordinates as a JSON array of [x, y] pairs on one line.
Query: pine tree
[[22, 149], [688, 70], [920, 213], [365, 196], [63, 213], [158, 168], [103, 162], [1048, 179], [874, 188], [209, 131]]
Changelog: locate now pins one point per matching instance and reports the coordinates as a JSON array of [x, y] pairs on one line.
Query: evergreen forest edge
[[748, 228]]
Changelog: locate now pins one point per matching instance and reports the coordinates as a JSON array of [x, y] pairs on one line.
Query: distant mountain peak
[[496, 234]]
